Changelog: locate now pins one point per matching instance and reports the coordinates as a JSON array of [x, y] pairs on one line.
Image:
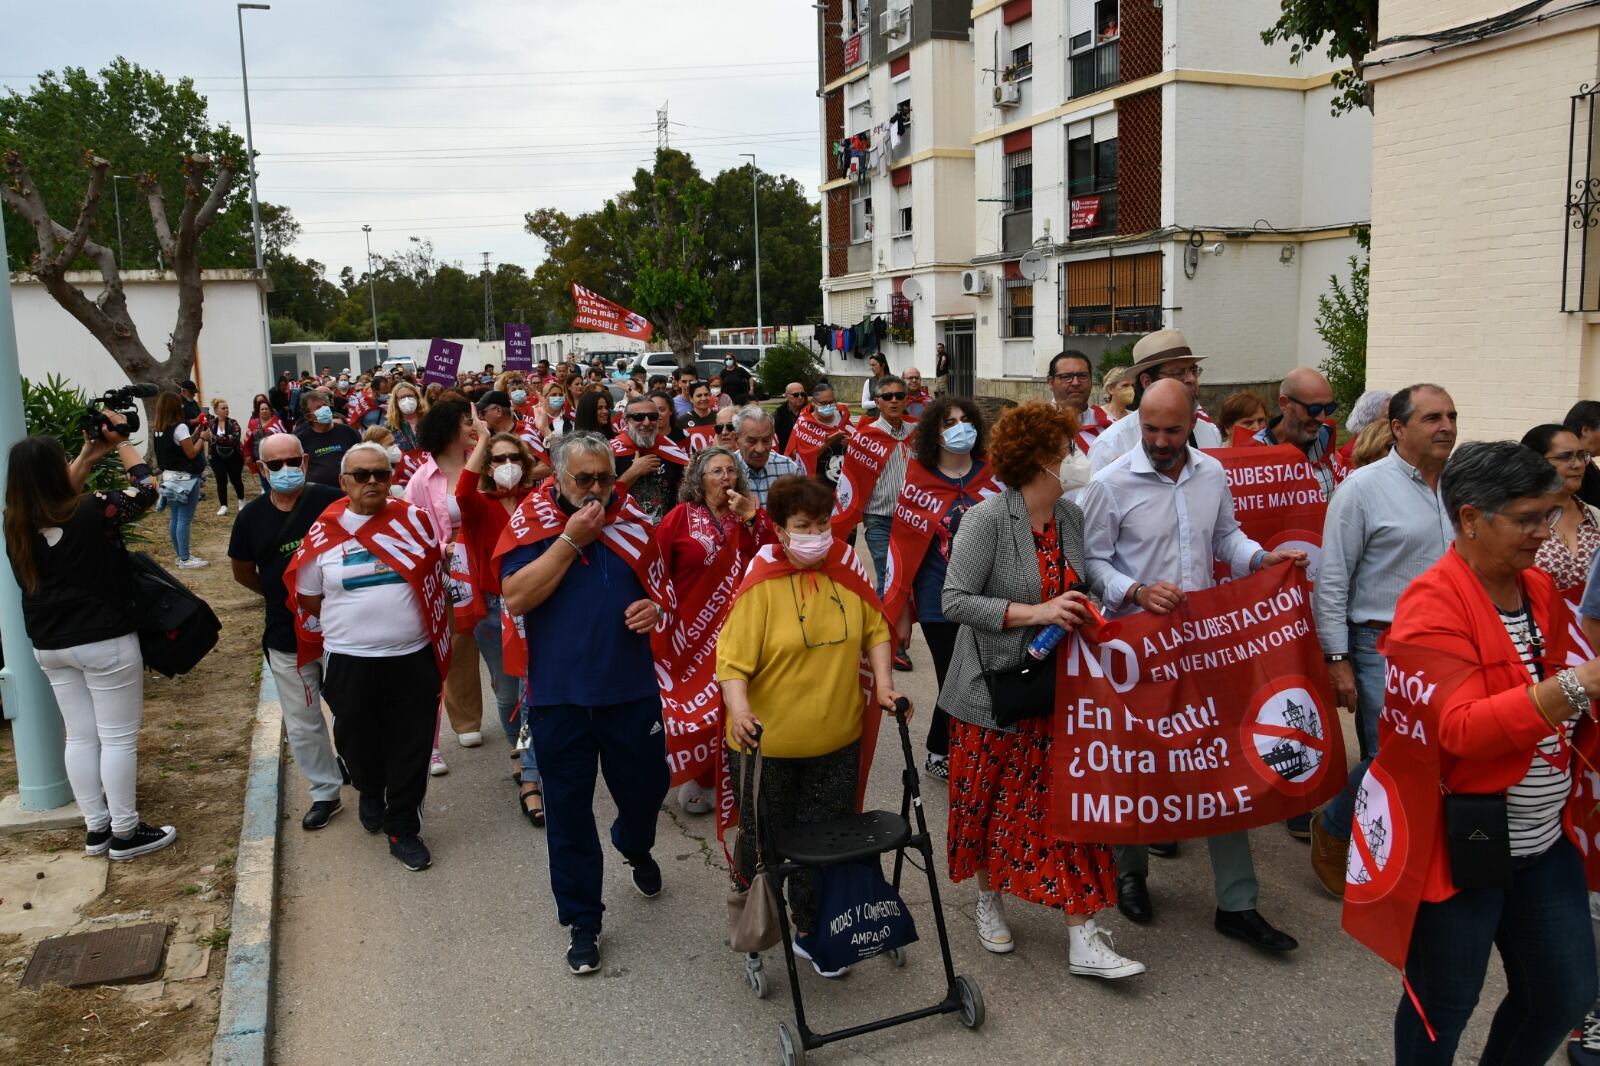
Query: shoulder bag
[[753, 914], [1027, 690]]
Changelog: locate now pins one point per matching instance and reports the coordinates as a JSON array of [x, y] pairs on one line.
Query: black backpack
[[176, 627]]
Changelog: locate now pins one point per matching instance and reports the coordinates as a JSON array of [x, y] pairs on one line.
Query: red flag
[[1214, 718], [598, 313]]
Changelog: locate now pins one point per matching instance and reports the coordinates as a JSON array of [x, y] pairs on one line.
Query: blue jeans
[[1368, 666], [1540, 926], [877, 528], [626, 743], [179, 518], [506, 687]]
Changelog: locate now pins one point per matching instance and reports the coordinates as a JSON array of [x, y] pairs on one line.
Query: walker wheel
[[789, 1046], [755, 975], [896, 957], [971, 1002]]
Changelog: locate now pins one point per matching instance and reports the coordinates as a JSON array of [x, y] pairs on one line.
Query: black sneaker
[[143, 840], [96, 841], [937, 766], [646, 876], [902, 661], [370, 811], [321, 812], [411, 851], [583, 954]]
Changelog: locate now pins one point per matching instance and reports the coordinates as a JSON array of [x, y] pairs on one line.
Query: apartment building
[[1134, 164], [1486, 207]]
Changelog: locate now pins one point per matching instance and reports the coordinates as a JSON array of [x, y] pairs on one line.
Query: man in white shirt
[[891, 394], [1154, 519], [1162, 355]]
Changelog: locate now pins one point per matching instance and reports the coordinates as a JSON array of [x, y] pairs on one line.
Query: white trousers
[[300, 696], [100, 690]]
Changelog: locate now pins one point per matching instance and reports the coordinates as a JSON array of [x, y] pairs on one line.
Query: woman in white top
[[878, 364]]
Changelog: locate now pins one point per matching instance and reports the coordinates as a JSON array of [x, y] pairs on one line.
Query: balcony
[[858, 260], [1016, 231], [1092, 214], [1098, 68]]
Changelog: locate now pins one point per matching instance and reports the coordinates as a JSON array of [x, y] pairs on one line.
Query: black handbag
[[1479, 840], [1027, 690], [176, 627]]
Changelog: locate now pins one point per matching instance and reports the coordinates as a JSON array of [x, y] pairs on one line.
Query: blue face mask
[[519, 396], [826, 410], [324, 416], [556, 402], [286, 478], [960, 437]]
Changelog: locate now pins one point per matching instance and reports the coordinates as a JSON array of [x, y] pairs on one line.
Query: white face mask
[[508, 475], [408, 405], [393, 451], [1074, 471], [809, 549]]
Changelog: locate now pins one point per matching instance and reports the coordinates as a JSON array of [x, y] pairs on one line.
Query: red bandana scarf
[[810, 436], [403, 538], [864, 459], [923, 501], [622, 446]]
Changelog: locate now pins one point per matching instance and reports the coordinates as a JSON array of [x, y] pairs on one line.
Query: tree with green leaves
[[1342, 324], [791, 233], [157, 132], [1350, 28]]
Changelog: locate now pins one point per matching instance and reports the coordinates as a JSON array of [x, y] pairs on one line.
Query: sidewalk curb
[[244, 1023]]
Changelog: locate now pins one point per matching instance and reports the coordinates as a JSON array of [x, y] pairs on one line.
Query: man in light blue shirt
[[1385, 525]]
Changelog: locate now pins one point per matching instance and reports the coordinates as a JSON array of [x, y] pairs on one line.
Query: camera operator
[[66, 551], [180, 452]]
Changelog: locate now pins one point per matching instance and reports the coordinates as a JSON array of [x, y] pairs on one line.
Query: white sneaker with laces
[[473, 739], [993, 932], [436, 766], [694, 799], [194, 562], [1091, 954], [222, 510], [802, 953]]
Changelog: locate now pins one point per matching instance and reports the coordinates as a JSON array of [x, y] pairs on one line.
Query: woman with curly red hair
[[1012, 571]]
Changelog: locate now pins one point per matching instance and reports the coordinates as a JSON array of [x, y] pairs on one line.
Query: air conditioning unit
[[1007, 94], [974, 282], [892, 23]]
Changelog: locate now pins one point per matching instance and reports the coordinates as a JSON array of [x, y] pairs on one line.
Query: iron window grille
[[1580, 254]]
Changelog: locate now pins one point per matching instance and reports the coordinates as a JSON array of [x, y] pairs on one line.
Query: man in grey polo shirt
[[1385, 525]]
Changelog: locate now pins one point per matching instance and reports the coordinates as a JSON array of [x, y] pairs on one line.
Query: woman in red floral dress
[[1566, 555], [1013, 564]]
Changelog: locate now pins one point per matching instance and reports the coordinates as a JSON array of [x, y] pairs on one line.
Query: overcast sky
[[449, 120]]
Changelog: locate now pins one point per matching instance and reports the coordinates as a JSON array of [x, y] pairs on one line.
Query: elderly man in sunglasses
[[265, 535], [1306, 401], [651, 480]]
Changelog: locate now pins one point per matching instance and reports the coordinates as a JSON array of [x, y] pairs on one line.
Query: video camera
[[93, 421]]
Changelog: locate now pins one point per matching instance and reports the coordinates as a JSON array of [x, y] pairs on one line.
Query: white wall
[[1317, 261], [1237, 155], [1240, 311], [1227, 36], [1337, 169], [229, 361]]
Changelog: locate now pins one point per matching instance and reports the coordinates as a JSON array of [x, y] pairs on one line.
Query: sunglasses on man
[[1317, 410], [279, 464], [725, 429], [891, 397], [588, 481], [362, 475], [644, 416]]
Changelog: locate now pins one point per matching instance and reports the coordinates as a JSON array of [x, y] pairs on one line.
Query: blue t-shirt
[[1589, 607], [928, 586], [579, 650]]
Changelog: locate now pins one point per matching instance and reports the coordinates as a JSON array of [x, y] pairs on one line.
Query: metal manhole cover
[[103, 957]]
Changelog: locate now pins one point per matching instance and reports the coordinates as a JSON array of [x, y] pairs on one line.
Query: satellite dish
[[911, 290], [1033, 266]]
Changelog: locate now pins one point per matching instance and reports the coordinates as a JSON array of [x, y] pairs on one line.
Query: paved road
[[463, 964]]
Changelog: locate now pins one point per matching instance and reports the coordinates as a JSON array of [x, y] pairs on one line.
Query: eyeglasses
[[795, 395], [642, 416], [1072, 375], [1316, 410], [361, 475], [587, 481], [1186, 372], [1529, 521], [279, 464], [501, 460], [891, 397], [1579, 456], [833, 594], [726, 429]]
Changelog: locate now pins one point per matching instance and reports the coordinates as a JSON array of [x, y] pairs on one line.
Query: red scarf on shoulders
[[810, 435], [622, 446], [403, 538], [923, 501], [864, 459]]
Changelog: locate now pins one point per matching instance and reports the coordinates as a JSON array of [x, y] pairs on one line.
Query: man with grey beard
[[1154, 519], [650, 479]]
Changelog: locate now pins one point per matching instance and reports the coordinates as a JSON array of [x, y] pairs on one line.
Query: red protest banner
[[1214, 718], [1085, 212], [598, 313], [1276, 498]]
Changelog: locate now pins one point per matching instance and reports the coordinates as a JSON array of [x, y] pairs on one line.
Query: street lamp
[[255, 203], [372, 292], [755, 210]]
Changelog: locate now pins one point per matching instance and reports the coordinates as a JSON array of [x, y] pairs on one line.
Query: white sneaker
[[993, 932], [194, 562], [473, 739], [802, 953], [1091, 954], [222, 510], [436, 766], [694, 799]]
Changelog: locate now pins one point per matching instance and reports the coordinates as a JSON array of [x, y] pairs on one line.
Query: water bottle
[[1045, 643]]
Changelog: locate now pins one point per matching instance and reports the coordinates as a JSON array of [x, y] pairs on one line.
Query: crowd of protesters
[[537, 526]]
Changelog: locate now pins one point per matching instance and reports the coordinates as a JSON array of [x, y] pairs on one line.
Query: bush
[[1112, 358], [786, 362], [287, 331], [1342, 325]]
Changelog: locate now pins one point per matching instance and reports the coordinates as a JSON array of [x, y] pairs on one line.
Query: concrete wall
[[1237, 155], [229, 361], [1227, 36], [1397, 17], [1469, 175]]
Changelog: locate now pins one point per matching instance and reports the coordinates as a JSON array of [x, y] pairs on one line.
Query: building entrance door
[[960, 344]]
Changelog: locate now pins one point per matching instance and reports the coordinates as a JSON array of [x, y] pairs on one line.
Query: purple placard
[[519, 346], [444, 358]]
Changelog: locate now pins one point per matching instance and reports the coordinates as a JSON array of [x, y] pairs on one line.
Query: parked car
[[656, 363], [399, 364]]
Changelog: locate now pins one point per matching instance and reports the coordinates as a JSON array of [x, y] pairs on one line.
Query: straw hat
[[1162, 346]]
